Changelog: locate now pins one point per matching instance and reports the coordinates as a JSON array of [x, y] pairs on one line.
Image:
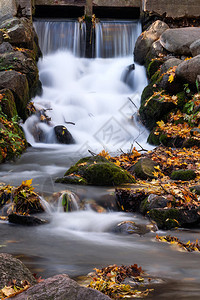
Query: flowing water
[[100, 96]]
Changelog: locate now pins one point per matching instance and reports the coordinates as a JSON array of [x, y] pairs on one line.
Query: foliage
[[12, 141], [195, 246], [12, 289], [23, 198], [109, 280], [125, 160]]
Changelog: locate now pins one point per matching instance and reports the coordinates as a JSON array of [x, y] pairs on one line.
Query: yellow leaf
[[27, 182], [171, 78]]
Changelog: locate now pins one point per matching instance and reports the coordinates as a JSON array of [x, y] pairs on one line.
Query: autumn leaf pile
[[109, 280], [13, 289], [183, 123], [189, 246]]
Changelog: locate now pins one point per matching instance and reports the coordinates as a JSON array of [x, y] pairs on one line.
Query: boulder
[[155, 51], [195, 189], [25, 220], [189, 70], [18, 84], [19, 62], [178, 40], [71, 179], [97, 170], [153, 201], [13, 269], [175, 217], [184, 175], [19, 32], [195, 48], [6, 47], [60, 287], [144, 168], [128, 200], [146, 39], [153, 110], [63, 136], [8, 103], [130, 227], [170, 63]]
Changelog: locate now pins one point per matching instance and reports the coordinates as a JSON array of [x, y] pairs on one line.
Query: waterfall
[[57, 35], [100, 96], [116, 38]]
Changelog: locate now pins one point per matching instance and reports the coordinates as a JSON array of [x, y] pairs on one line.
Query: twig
[[92, 153], [142, 149], [132, 102]]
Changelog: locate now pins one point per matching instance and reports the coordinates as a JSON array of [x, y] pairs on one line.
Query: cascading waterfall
[[100, 96], [116, 39], [57, 35]]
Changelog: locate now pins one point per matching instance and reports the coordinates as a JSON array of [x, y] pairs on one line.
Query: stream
[[101, 96]]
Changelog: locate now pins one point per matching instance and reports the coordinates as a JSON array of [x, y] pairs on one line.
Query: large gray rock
[[12, 268], [178, 40], [195, 48], [146, 39], [18, 84], [60, 287], [189, 70], [6, 47], [8, 9], [19, 31], [170, 63], [19, 62]]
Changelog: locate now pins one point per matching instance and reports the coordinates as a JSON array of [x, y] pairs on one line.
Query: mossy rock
[[99, 171], [165, 218], [7, 103], [147, 93], [144, 168], [195, 189], [153, 139], [71, 180], [184, 175], [154, 110], [153, 67]]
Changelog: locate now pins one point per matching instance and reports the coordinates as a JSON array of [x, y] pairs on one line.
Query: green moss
[[147, 93], [153, 139], [99, 171], [183, 175], [7, 104], [144, 206], [165, 218], [181, 99], [153, 68], [71, 180]]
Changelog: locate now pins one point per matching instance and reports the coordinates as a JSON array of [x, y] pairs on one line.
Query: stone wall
[[173, 8]]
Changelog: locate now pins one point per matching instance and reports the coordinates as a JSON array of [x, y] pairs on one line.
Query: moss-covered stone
[[165, 218], [183, 175], [153, 139], [71, 180], [154, 110], [99, 171], [147, 93], [153, 67], [7, 103], [195, 189], [144, 168]]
